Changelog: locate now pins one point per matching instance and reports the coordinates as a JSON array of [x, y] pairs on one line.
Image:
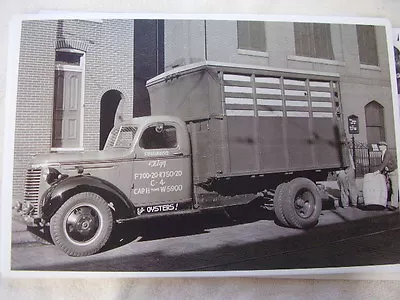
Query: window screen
[[166, 138]]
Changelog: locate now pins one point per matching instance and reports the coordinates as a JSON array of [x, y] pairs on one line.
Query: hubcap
[[304, 203], [82, 223]]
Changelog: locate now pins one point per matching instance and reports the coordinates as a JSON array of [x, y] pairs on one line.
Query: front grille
[[32, 184]]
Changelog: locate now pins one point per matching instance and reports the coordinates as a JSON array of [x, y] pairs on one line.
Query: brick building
[[358, 53], [75, 78]]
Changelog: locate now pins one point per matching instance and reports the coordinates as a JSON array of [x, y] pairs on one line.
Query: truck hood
[[78, 157]]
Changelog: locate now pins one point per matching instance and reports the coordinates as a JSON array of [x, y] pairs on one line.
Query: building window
[[367, 47], [375, 122], [67, 111], [313, 40], [251, 35]]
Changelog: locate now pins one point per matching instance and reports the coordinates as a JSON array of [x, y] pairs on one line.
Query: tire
[[280, 193], [82, 225], [40, 235], [302, 203]]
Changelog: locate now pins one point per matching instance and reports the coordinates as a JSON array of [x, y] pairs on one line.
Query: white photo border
[[364, 272]]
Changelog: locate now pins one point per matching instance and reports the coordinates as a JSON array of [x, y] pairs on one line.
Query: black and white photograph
[[190, 146]]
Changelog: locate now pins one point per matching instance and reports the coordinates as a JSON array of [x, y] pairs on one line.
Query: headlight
[[51, 175]]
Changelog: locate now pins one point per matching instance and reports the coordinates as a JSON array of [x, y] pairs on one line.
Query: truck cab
[[144, 169]]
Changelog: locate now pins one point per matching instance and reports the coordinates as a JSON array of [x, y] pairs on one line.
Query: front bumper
[[26, 211]]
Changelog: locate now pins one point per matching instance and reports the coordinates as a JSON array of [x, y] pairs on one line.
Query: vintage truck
[[219, 136]]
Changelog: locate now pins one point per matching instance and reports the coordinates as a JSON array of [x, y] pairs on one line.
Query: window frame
[[176, 126], [313, 38], [362, 42], [119, 129], [381, 126], [249, 50]]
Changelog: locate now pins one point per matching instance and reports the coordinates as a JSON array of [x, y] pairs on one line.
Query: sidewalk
[[334, 185], [19, 233]]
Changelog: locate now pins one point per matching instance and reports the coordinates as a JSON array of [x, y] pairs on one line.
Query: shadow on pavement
[[41, 235], [187, 225]]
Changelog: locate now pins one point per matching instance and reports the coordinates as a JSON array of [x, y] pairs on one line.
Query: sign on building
[[353, 125]]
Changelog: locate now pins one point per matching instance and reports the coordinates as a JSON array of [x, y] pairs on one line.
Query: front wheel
[[302, 203], [82, 225]]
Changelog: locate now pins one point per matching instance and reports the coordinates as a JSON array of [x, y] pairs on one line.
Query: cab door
[[162, 179]]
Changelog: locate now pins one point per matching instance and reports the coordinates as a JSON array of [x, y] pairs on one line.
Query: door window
[[159, 136]]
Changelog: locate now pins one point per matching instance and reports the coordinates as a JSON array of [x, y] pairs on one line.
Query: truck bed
[[249, 120]]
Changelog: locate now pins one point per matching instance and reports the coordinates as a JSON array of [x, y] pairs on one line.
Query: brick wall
[[184, 44], [34, 111], [108, 65]]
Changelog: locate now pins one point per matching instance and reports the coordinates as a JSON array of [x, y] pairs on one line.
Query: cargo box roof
[[238, 68], [140, 121]]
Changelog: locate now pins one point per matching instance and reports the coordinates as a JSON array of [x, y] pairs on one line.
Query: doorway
[[110, 103]]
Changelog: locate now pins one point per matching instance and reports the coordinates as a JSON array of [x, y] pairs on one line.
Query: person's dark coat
[[389, 163]]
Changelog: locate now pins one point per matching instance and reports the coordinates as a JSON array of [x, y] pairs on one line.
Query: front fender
[[60, 192]]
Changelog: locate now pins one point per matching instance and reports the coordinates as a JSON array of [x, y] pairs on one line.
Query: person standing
[[389, 166], [347, 184]]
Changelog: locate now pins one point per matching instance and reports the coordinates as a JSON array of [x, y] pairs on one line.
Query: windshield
[[121, 137]]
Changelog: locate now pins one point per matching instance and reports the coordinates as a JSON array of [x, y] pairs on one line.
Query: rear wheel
[[278, 205], [82, 225], [302, 203]]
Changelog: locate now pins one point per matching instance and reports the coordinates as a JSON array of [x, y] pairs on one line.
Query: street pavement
[[212, 241]]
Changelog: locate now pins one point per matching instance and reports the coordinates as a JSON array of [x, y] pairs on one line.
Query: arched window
[[375, 122], [111, 109]]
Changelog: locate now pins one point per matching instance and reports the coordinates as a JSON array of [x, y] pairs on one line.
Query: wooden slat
[[322, 109], [238, 95], [269, 108], [295, 87], [265, 96], [296, 108], [296, 98], [237, 83], [321, 99], [267, 85], [321, 89], [238, 106]]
